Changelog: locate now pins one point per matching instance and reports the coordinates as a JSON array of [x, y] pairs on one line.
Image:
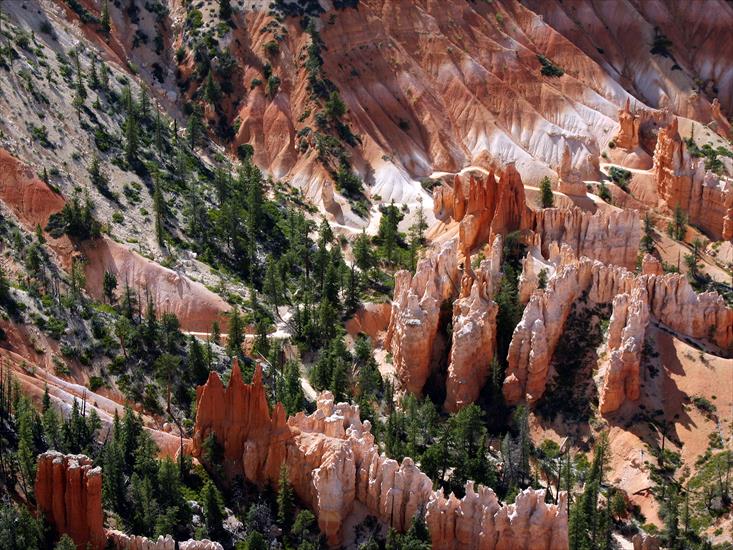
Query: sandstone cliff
[[610, 236], [629, 320], [683, 181], [238, 416], [69, 494]]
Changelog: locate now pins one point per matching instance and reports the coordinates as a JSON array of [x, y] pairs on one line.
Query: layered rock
[[415, 316], [671, 301], [478, 520], [683, 181], [482, 206], [622, 377], [69, 494], [628, 133], [611, 236], [123, 541], [474, 331], [238, 416], [570, 181]]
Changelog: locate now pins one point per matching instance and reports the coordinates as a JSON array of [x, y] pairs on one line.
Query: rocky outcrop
[[683, 181], [478, 520], [394, 492], [721, 124], [415, 317], [474, 331], [611, 236], [570, 181], [123, 541], [69, 494], [238, 416], [671, 301], [642, 541], [622, 377], [628, 133], [482, 206]]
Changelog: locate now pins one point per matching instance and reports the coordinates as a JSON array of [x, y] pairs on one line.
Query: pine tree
[[225, 10], [197, 362], [546, 196], [292, 392], [159, 211], [93, 76], [104, 20], [109, 284], [213, 512], [285, 499], [647, 240], [65, 543], [235, 339], [211, 89]]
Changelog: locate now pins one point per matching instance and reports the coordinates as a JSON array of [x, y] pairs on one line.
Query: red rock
[[239, 417], [628, 134], [683, 181], [69, 493]]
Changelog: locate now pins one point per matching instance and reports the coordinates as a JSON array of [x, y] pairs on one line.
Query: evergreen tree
[[213, 513], [194, 126], [285, 499], [197, 366], [109, 284], [104, 20], [363, 252], [225, 10], [65, 543], [546, 196], [647, 240], [211, 89], [159, 211], [292, 392], [235, 338]]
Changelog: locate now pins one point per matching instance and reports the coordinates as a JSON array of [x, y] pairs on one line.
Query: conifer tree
[[285, 499], [546, 196]]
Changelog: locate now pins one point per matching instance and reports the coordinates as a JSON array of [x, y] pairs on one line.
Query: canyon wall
[[69, 494], [683, 181], [669, 299]]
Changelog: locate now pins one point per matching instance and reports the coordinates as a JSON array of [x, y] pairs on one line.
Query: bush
[[549, 68]]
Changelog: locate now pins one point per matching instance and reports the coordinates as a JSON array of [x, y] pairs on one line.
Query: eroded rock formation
[[474, 331], [238, 416], [69, 494], [333, 461], [683, 181], [622, 378], [482, 206], [671, 301], [123, 541], [611, 236], [415, 315], [628, 134]]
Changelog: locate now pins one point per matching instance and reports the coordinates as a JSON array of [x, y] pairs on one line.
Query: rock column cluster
[[69, 494]]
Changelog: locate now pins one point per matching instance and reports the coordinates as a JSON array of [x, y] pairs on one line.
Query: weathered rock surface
[[683, 181], [645, 542], [123, 541], [671, 301], [239, 418], [416, 314], [482, 206], [611, 236], [333, 461], [622, 377], [69, 494], [628, 133], [474, 331]]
